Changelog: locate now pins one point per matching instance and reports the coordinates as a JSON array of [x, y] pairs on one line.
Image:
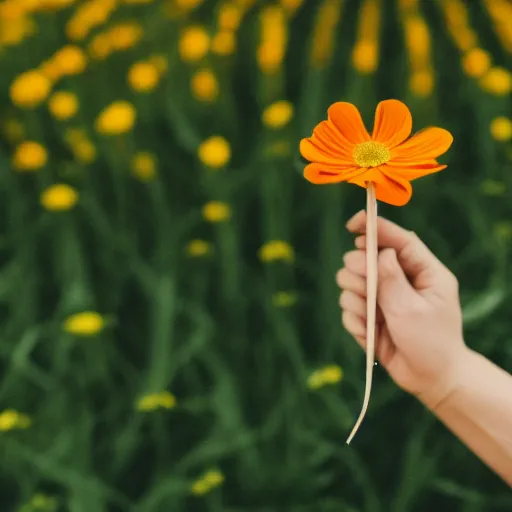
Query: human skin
[[420, 340]]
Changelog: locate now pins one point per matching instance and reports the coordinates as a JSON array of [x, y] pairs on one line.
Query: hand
[[419, 338]]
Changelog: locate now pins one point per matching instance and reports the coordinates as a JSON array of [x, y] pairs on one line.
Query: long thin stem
[[371, 298]]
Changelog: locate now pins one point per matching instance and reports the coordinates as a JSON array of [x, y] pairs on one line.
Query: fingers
[[349, 280], [355, 325], [416, 259], [355, 262], [356, 304]]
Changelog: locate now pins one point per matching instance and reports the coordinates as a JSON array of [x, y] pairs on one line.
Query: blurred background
[[170, 335]]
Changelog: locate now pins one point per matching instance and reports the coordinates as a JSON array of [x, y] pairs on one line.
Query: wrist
[[449, 381]]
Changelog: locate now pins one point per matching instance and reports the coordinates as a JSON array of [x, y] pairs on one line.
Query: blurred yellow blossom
[[194, 43], [214, 152], [143, 76], [154, 401], [100, 46], [160, 62], [144, 166], [284, 299], [276, 250], [197, 248], [63, 105], [86, 323], [277, 114], [476, 62], [330, 374], [493, 188], [70, 60], [230, 16], [497, 81], [224, 43], [116, 119], [84, 151], [188, 4], [204, 85], [29, 89], [365, 56], [501, 128], [41, 503], [59, 197], [503, 230], [207, 482], [421, 82], [216, 211], [327, 19], [274, 39], [50, 70], [13, 32], [11, 419], [126, 35], [30, 156]]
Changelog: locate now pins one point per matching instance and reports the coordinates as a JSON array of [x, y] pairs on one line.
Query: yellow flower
[[331, 374], [71, 60], [30, 89], [207, 482], [197, 248], [422, 83], [166, 400], [59, 197], [15, 31], [214, 478], [278, 114], [160, 62], [153, 401], [8, 420], [216, 211], [50, 70], [125, 35], [204, 85], [30, 156], [503, 230], [365, 56], [116, 119], [86, 323], [284, 299], [100, 46], [143, 76], [501, 128], [274, 37], [144, 166], [188, 4], [476, 62], [84, 151], [497, 81], [224, 43], [11, 419], [63, 105], [230, 16], [214, 152], [276, 250], [493, 188], [194, 44], [148, 403]]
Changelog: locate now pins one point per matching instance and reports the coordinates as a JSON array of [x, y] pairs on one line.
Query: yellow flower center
[[371, 154]]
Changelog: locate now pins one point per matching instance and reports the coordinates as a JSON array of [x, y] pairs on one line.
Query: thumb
[[394, 290]]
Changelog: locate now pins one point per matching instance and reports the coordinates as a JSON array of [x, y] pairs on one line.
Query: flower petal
[[348, 122], [412, 171], [315, 150], [389, 189], [393, 123], [427, 144], [322, 174]]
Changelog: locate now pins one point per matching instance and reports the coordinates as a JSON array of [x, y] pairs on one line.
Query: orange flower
[[341, 149]]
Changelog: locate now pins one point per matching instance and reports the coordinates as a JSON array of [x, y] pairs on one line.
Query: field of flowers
[[170, 335]]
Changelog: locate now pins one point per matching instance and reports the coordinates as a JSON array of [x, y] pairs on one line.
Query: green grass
[[206, 329]]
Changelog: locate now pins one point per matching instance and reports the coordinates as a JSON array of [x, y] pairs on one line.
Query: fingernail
[[350, 223]]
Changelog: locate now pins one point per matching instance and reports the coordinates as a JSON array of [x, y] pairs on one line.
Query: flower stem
[[371, 298]]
